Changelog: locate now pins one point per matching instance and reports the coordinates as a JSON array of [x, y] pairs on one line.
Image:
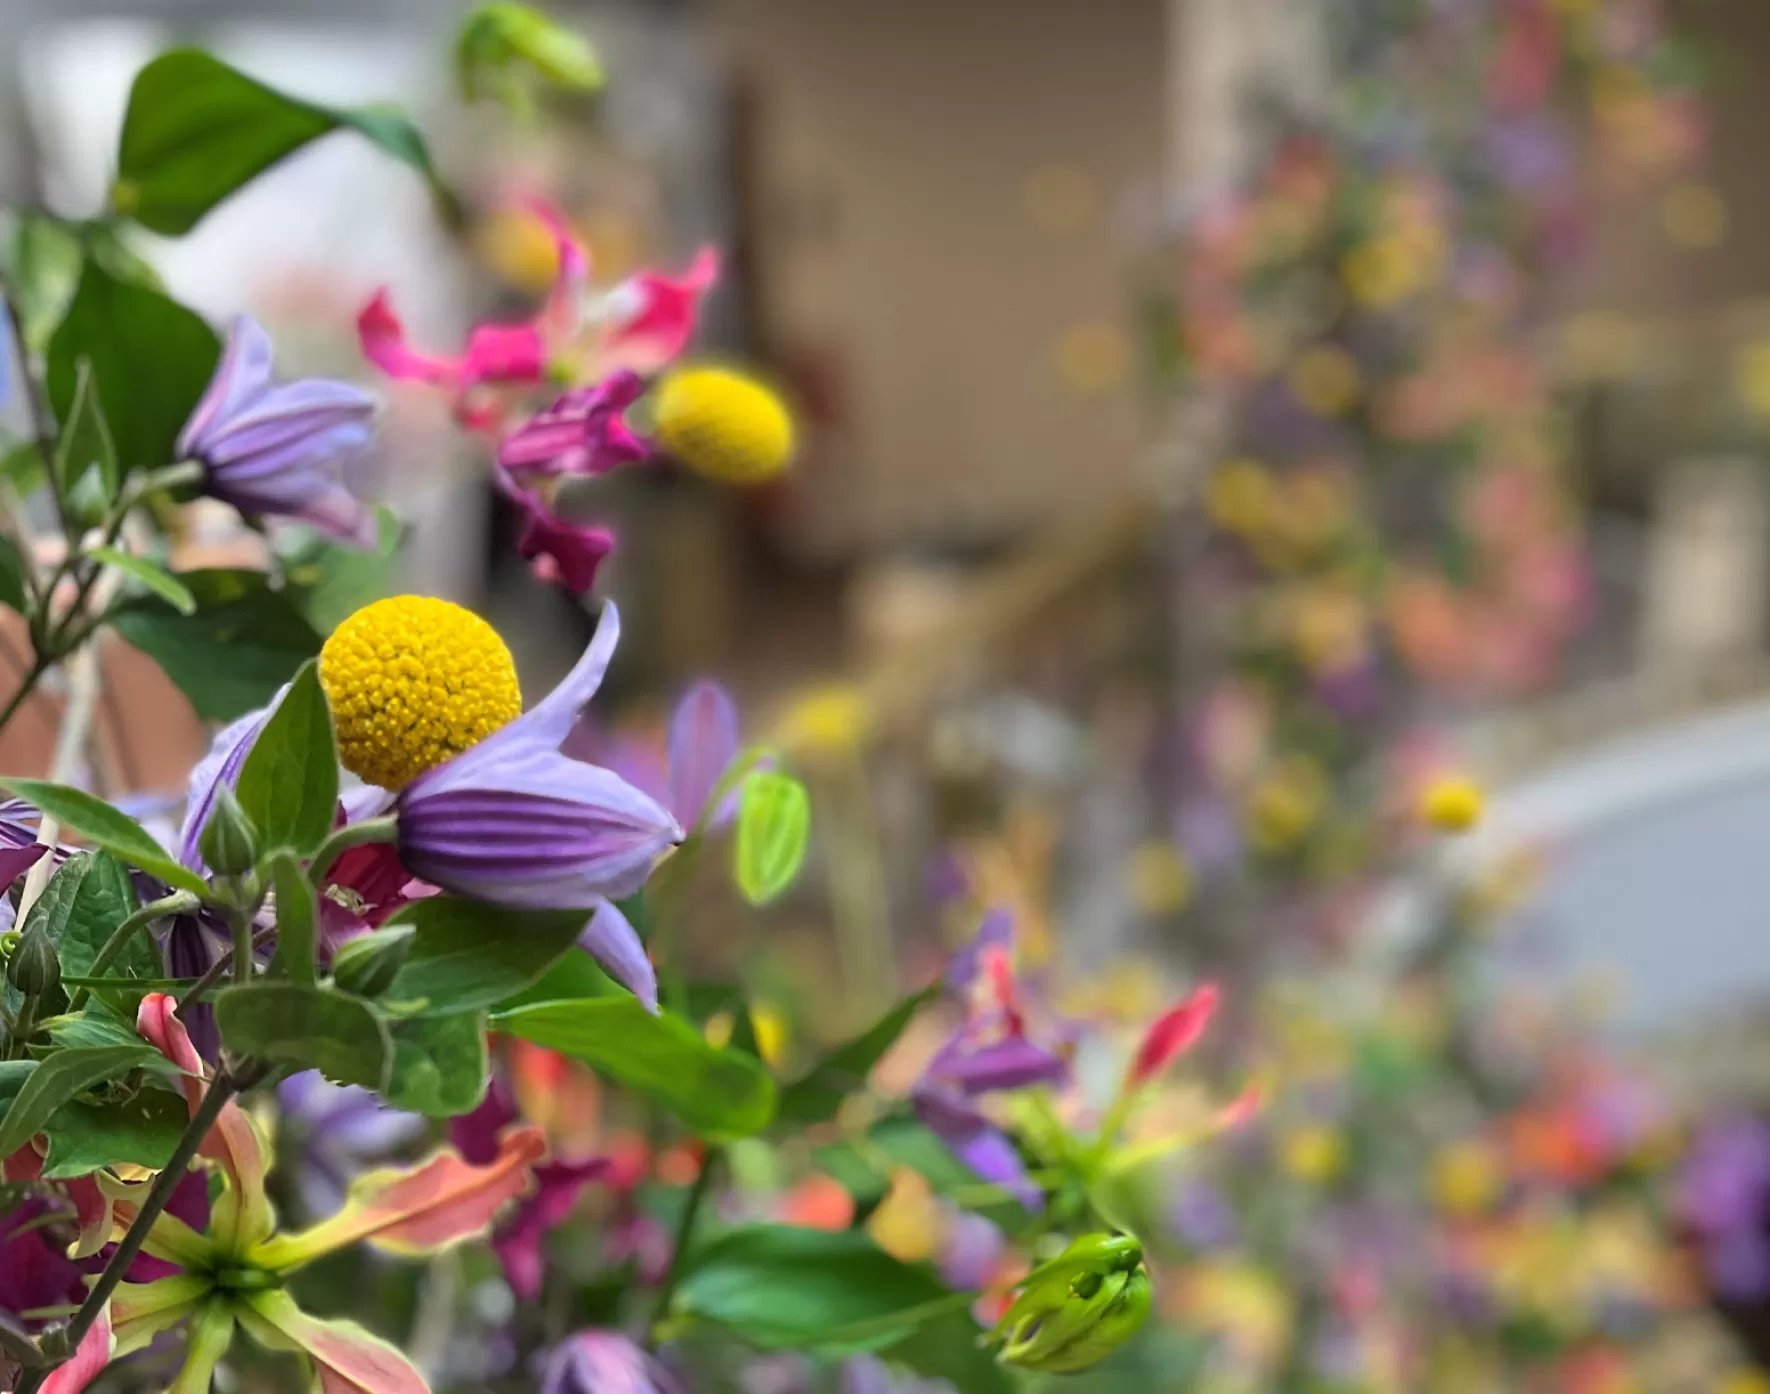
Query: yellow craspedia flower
[[1466, 1178], [1745, 1381], [414, 681], [1452, 804], [724, 425], [825, 720], [1313, 1155]]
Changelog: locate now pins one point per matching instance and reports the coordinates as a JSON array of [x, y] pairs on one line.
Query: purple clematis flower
[[581, 433], [517, 821], [278, 448], [606, 1362], [518, 1238], [703, 741], [343, 1130]]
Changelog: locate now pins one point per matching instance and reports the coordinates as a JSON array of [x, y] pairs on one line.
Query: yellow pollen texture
[[723, 425], [412, 682]]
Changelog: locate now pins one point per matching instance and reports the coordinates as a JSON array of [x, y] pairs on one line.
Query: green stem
[[221, 1089], [244, 962], [22, 1026], [691, 1209], [26, 686], [383, 829], [178, 903]]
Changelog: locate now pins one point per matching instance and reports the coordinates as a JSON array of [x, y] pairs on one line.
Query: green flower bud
[[368, 964], [33, 967], [497, 41], [229, 842], [1077, 1309]]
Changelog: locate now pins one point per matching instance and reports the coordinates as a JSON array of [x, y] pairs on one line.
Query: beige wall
[[897, 145]]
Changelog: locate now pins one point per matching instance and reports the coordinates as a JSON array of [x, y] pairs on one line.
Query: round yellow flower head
[[1466, 1178], [1452, 804], [723, 425], [1313, 1155], [412, 682]]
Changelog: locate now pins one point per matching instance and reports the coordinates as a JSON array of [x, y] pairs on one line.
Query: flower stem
[[221, 1089], [383, 829], [175, 904], [27, 684], [691, 1208]]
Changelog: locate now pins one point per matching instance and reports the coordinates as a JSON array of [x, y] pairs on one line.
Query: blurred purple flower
[[278, 448], [606, 1362], [342, 1130], [973, 1252], [1200, 1216], [1722, 1189]]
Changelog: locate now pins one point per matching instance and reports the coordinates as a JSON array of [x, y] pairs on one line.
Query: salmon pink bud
[[1173, 1033]]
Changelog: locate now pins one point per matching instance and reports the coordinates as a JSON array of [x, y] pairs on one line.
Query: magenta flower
[[515, 821], [583, 432], [495, 353], [562, 553], [658, 310], [606, 1362], [278, 448], [517, 1240]]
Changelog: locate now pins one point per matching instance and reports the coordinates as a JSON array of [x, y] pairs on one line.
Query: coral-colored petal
[[93, 1355], [346, 1358], [419, 1210]]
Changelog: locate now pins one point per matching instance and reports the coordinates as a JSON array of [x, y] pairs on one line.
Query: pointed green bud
[[229, 842], [773, 827], [368, 964], [1074, 1311], [33, 967]]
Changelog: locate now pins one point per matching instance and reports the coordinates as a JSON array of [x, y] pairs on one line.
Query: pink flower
[[661, 311], [562, 552]]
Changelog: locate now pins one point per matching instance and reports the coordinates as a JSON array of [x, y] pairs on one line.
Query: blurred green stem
[[691, 1208]]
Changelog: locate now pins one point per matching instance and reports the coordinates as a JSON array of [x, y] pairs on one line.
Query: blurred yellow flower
[[908, 1224], [1159, 878], [1313, 1155], [1745, 1380], [1754, 377], [1452, 803], [1286, 804], [1466, 1179], [519, 247], [1241, 497], [724, 425], [771, 1031], [826, 720], [1694, 216]]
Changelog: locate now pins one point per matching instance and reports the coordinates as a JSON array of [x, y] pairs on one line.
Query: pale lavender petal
[[242, 373], [532, 828], [976, 1142], [222, 765], [613, 942], [973, 1252], [703, 743]]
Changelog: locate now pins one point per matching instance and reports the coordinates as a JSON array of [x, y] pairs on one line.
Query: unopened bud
[[33, 967], [1076, 1310], [228, 842], [368, 964]]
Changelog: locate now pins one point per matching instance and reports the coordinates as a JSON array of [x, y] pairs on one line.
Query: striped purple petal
[[222, 765]]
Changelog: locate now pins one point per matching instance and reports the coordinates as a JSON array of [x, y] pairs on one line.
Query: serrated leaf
[[308, 1027], [718, 1093], [106, 828], [440, 1067], [150, 575], [288, 786], [142, 1131], [197, 130], [57, 1080], [230, 657]]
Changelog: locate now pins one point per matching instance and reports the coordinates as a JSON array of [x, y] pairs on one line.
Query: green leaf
[[104, 898], [816, 1097], [102, 1025], [718, 1093], [329, 581], [150, 359], [142, 1131], [23, 468], [197, 130], [58, 1079], [779, 1287], [297, 920], [85, 441], [947, 1348], [332, 1032], [106, 828], [573, 976], [467, 955], [289, 784], [243, 643], [151, 575], [12, 577], [439, 1064], [773, 826], [13, 1074], [44, 257]]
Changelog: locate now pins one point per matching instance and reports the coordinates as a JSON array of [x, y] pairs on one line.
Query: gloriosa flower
[[232, 1273]]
